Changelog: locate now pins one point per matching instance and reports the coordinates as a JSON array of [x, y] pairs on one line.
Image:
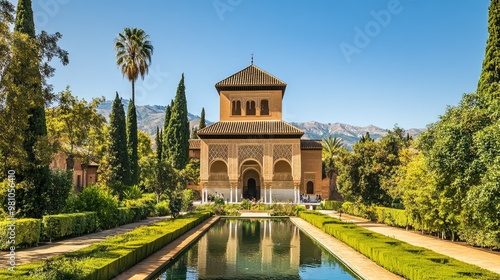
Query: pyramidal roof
[[251, 77]]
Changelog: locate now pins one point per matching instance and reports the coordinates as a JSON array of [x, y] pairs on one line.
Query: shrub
[[98, 199], [246, 204], [161, 209], [132, 192], [146, 201], [188, 197], [108, 258], [62, 225], [219, 201], [27, 233], [403, 259], [60, 188], [332, 205]]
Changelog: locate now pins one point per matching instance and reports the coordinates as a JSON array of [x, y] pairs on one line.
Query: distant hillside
[[151, 116]]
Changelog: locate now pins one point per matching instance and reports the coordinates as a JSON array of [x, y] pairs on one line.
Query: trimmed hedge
[[63, 225], [108, 258], [332, 205], [27, 233], [399, 257]]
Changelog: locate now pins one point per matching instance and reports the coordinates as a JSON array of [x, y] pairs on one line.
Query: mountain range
[[151, 116]]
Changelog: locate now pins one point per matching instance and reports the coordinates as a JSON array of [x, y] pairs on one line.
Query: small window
[[236, 107], [310, 187], [264, 107], [250, 111]]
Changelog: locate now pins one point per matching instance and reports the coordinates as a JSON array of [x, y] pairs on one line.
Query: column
[[231, 193], [265, 193], [270, 194], [236, 192]]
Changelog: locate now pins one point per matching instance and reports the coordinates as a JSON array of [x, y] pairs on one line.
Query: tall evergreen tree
[[132, 144], [159, 144], [489, 81], [202, 119], [118, 155], [37, 173], [177, 134], [168, 114]]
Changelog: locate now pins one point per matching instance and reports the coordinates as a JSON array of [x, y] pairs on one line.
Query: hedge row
[[26, 232], [399, 257], [108, 258], [127, 215], [332, 205], [63, 225]]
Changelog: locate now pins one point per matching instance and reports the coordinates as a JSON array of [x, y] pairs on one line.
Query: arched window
[[236, 107], [310, 187], [250, 111], [264, 107]]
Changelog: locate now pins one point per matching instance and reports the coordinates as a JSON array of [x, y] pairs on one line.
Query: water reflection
[[256, 249]]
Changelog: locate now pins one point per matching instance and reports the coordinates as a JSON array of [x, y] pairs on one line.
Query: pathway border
[[458, 251], [153, 264], [56, 248], [358, 263]]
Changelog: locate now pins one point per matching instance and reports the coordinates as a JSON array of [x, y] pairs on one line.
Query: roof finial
[[252, 58]]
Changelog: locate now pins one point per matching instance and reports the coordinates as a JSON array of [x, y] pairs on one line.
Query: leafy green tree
[[70, 125], [133, 56], [330, 153], [144, 147], [25, 68], [118, 156], [177, 134]]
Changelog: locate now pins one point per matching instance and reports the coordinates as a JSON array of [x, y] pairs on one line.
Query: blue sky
[[360, 62]]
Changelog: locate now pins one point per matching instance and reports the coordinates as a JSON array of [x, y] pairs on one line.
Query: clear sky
[[360, 62]]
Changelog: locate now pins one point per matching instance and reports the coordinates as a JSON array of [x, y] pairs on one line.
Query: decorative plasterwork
[[255, 152], [217, 152], [282, 152]]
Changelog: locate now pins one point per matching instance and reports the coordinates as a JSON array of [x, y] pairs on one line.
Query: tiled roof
[[194, 144], [311, 145], [251, 76], [251, 128]]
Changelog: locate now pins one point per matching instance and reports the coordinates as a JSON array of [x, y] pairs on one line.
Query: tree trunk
[[70, 162], [133, 91]]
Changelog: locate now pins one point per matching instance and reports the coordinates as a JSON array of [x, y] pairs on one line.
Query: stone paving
[[72, 244], [457, 250]]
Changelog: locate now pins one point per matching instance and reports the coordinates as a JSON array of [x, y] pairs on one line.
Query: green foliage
[[202, 123], [177, 133], [98, 199], [60, 188], [132, 192], [132, 143], [24, 18], [399, 257], [162, 208], [188, 197], [73, 125], [175, 204], [64, 225], [332, 147], [108, 258], [332, 204], [118, 155], [27, 233], [219, 201], [246, 204]]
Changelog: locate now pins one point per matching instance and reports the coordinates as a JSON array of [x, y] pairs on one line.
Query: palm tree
[[331, 149], [133, 54]]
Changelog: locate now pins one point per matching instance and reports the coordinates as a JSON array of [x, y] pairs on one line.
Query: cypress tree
[[168, 114], [488, 86], [159, 144], [118, 155], [37, 173], [177, 135], [202, 119], [132, 144]]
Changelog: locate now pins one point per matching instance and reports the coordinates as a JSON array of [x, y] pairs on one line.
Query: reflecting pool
[[256, 249]]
